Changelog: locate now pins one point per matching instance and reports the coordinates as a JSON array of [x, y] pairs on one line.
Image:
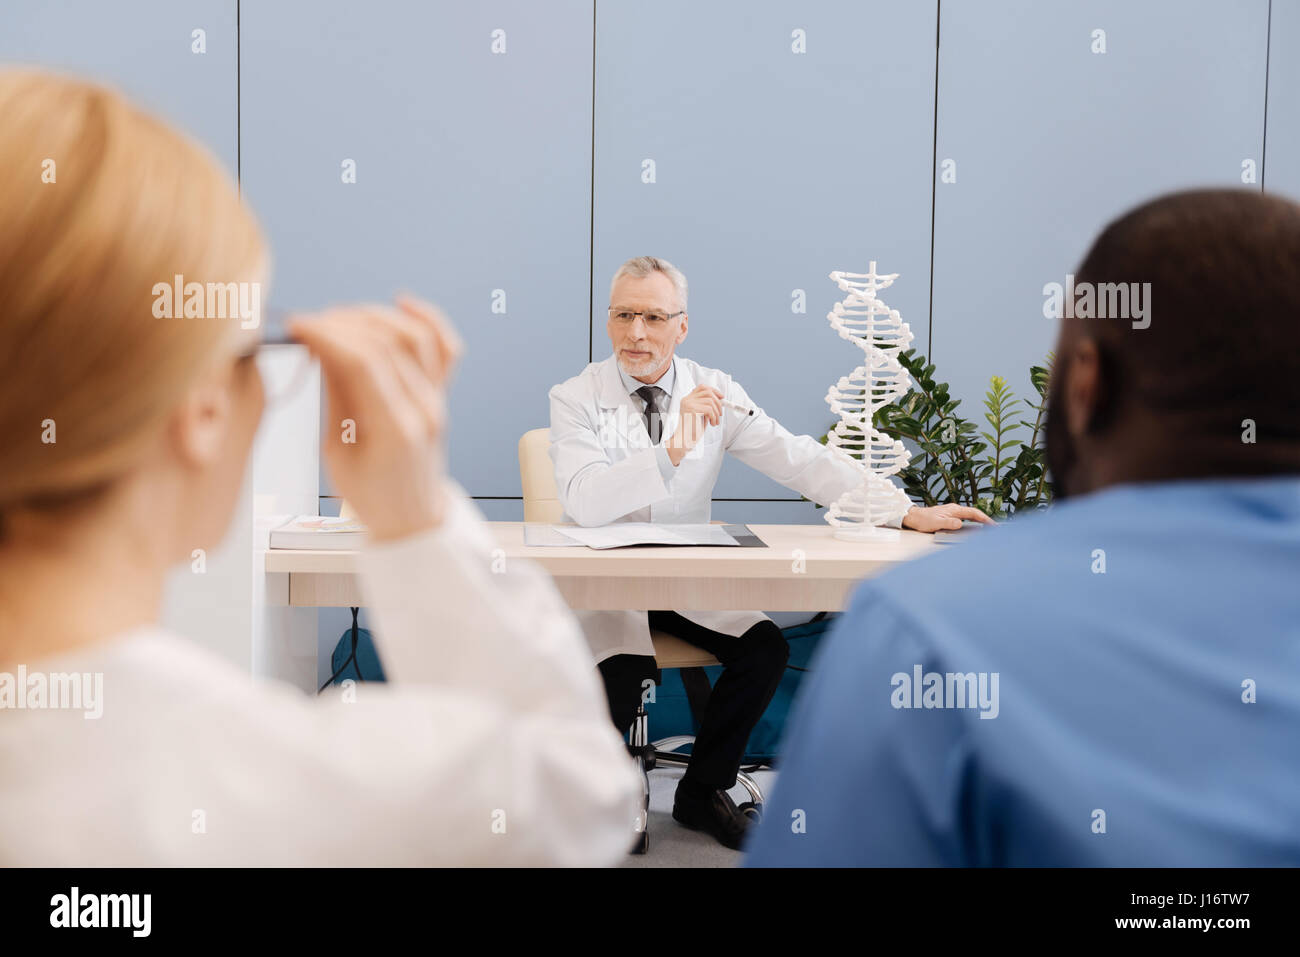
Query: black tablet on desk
[[744, 537]]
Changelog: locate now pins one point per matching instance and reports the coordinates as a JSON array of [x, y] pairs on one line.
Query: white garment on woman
[[491, 743]]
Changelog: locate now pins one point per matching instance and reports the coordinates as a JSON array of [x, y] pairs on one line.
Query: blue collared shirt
[[1146, 712], [665, 382]]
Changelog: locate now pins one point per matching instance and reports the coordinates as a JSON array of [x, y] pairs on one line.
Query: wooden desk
[[804, 568]]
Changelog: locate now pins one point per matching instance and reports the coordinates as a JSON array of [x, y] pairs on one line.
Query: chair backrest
[[537, 476], [542, 504]]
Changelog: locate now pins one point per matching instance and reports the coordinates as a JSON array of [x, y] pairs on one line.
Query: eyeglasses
[[653, 318], [284, 367], [282, 363]]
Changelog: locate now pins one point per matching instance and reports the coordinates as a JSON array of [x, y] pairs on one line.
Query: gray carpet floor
[[672, 845]]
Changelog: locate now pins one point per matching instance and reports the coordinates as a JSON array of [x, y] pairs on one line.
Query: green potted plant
[[1001, 472]]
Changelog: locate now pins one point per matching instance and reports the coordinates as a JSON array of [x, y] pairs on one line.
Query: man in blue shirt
[[1115, 681]]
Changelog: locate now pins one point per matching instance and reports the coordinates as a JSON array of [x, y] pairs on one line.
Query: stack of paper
[[314, 531], [627, 533]]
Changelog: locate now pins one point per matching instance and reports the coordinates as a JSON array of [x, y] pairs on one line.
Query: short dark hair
[[1223, 344]]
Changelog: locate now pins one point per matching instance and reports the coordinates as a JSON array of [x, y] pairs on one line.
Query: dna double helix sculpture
[[862, 318]]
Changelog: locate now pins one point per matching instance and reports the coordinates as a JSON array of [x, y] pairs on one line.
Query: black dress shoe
[[713, 812]]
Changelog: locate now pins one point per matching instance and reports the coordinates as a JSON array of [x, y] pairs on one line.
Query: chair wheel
[[750, 809]]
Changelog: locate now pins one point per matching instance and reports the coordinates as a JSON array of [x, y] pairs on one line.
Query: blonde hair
[[98, 202]]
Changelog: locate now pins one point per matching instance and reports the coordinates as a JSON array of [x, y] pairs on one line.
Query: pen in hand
[[738, 407]]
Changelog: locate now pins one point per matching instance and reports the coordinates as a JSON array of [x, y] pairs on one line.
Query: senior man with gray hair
[[639, 437]]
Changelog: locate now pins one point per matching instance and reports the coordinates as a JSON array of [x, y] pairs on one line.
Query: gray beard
[[644, 368]]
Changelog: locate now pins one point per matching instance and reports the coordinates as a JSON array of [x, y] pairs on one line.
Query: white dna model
[[881, 334]]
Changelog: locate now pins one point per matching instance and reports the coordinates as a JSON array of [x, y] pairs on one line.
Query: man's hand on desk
[[936, 518], [385, 370], [700, 408]]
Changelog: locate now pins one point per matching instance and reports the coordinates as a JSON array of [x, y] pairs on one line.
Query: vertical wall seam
[[239, 123], [591, 225], [1268, 49], [934, 176]]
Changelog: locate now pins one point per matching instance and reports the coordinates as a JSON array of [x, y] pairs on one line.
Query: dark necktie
[[653, 418]]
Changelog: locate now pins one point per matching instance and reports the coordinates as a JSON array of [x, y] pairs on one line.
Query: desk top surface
[[792, 550]]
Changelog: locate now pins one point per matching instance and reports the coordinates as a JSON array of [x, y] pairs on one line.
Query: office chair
[[542, 504]]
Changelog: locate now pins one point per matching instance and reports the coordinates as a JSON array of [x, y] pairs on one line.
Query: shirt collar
[[666, 381]]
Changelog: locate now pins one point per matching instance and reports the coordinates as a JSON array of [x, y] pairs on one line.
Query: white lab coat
[[606, 471], [490, 745]]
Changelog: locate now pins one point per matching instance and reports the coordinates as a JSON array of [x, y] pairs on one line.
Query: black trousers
[[752, 668]]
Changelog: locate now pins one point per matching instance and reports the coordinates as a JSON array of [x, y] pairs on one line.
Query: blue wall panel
[[473, 174], [1282, 153], [1051, 141], [144, 48], [772, 169]]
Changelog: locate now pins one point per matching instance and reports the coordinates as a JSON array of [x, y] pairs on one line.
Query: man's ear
[[199, 423], [1083, 386], [681, 333]]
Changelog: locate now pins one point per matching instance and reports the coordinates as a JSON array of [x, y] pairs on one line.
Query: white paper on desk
[[535, 535], [648, 533]]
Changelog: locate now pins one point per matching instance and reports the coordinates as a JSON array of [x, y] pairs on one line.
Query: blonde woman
[[123, 442]]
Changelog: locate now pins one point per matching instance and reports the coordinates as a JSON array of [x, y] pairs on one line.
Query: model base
[[866, 533]]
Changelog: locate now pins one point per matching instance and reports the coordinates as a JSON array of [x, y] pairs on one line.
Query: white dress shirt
[[490, 743]]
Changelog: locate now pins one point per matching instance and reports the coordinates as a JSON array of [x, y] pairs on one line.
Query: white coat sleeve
[[798, 462], [592, 489], [492, 743]]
